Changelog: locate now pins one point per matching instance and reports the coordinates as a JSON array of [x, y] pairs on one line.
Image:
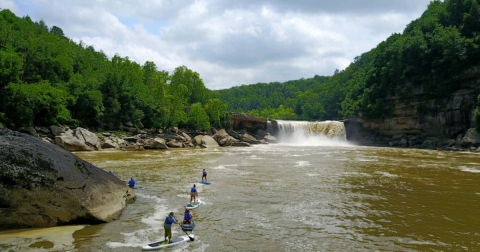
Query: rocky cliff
[[43, 185], [442, 122]]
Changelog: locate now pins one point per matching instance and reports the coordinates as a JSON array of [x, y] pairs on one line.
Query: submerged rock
[[43, 185]]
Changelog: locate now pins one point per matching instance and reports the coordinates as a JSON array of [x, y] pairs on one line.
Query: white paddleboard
[[162, 244], [194, 205]]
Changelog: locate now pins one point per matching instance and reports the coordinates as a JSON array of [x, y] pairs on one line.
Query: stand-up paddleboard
[[139, 187], [203, 182], [194, 205], [164, 244]]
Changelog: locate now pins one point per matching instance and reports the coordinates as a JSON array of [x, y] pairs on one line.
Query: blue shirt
[[169, 220], [194, 189], [131, 182]]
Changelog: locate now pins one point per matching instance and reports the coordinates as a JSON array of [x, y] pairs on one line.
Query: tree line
[[48, 79]]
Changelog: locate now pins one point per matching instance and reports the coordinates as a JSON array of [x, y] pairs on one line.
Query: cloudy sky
[[228, 42]]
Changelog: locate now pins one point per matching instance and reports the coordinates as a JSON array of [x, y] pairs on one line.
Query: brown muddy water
[[286, 198]]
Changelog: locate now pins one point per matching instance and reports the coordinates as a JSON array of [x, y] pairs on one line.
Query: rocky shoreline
[[81, 139], [134, 139], [361, 135]]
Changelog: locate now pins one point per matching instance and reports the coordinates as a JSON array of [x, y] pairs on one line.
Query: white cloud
[[9, 4], [229, 42]]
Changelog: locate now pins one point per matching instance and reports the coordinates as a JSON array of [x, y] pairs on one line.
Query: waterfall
[[309, 133]]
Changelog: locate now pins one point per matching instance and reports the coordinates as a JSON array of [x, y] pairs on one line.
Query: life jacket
[[187, 216], [194, 189], [168, 220]]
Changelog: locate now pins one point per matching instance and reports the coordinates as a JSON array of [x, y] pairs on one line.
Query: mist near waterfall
[[305, 133]]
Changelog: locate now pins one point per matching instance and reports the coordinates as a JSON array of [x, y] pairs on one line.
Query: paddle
[[191, 238]]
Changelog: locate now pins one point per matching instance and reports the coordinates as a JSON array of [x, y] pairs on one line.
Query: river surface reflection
[[287, 198]]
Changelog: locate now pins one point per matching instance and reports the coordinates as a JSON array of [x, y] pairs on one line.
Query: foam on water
[[386, 174], [302, 163], [469, 169]]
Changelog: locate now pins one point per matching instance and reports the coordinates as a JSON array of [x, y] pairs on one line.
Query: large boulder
[[156, 143], [471, 138], [71, 143], [223, 138], [88, 137], [248, 122], [44, 185], [205, 141]]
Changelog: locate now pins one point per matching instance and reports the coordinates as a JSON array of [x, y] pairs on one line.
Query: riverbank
[[134, 139]]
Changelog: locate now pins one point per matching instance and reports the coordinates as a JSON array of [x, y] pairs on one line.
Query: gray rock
[[109, 143], [451, 142], [270, 139], [88, 137], [175, 144], [206, 140], [44, 185], [71, 143], [186, 136], [28, 130], [57, 130], [471, 138], [241, 144], [158, 143]]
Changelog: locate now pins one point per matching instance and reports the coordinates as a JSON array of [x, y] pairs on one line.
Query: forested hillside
[[289, 100], [444, 41], [46, 78]]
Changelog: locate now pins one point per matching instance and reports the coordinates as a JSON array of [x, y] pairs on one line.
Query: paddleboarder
[[131, 183], [187, 218], [168, 226], [204, 175], [193, 194]]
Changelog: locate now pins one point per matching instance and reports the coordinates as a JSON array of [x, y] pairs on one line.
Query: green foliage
[[264, 99], [280, 113], [36, 104], [198, 118], [215, 108], [46, 78], [84, 87]]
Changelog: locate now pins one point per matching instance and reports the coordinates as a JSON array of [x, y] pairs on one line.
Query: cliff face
[[447, 119]]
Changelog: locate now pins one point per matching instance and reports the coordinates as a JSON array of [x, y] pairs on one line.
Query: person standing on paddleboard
[[204, 175], [193, 194], [168, 226]]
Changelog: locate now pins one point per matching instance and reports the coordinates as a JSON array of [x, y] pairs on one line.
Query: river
[[286, 197]]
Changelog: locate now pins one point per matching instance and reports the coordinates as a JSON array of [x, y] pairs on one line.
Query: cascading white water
[[324, 133]]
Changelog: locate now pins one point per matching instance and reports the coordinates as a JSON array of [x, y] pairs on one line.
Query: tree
[[215, 108], [36, 104], [198, 118]]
